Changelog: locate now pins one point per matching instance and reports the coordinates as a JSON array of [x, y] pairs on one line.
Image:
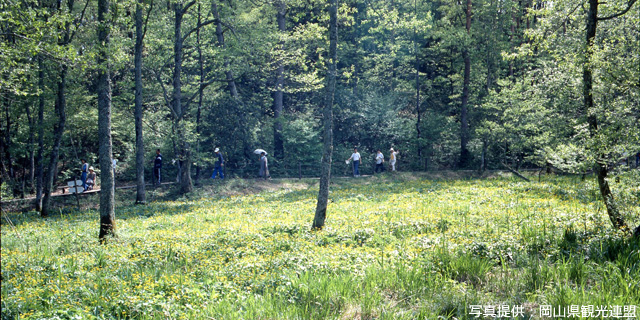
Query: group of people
[[264, 163], [219, 164], [88, 176], [356, 158]]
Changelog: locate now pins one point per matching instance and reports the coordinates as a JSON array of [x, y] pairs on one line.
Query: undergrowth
[[393, 248]]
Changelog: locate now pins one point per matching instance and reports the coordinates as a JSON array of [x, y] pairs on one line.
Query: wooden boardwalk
[[58, 193]]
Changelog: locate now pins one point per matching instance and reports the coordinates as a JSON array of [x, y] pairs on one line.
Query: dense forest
[[474, 84], [516, 126]]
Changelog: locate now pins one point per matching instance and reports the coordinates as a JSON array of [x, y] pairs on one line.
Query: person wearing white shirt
[[114, 164], [355, 156], [393, 158], [379, 161]]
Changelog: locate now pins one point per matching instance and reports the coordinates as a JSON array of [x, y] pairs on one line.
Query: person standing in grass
[[393, 158], [218, 166], [355, 156], [157, 167], [83, 175], [379, 161], [264, 166], [114, 164]]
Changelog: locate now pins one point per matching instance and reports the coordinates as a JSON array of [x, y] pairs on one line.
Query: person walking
[[379, 161], [393, 158], [355, 156], [114, 164], [83, 175], [218, 166], [264, 166], [157, 167]]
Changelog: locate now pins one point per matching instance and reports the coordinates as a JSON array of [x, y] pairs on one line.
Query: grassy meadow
[[394, 247]]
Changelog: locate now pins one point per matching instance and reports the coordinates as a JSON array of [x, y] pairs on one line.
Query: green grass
[[399, 247]]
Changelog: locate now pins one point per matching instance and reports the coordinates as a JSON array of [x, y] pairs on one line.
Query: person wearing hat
[[393, 158], [91, 179], [218, 166]]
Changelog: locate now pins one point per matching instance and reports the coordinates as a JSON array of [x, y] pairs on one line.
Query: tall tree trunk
[[184, 152], [220, 37], [587, 78], [58, 131], [483, 160], [201, 72], [184, 160], [60, 108], [32, 165], [417, 66], [357, 30], [325, 178], [40, 154], [200, 94], [489, 80], [231, 83], [3, 171], [511, 40], [278, 96], [7, 141], [140, 187], [464, 121], [107, 191]]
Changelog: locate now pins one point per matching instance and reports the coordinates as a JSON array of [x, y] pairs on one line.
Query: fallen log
[[515, 172]]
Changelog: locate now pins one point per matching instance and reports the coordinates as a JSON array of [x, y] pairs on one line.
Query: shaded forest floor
[[404, 246]]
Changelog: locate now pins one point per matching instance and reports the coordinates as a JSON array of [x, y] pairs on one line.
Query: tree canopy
[[476, 84]]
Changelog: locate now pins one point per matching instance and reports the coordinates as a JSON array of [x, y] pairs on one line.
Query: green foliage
[[541, 114], [524, 102]]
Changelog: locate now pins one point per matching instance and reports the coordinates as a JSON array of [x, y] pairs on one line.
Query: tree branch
[[203, 86], [164, 92], [230, 28], [196, 28], [629, 5], [79, 21], [187, 6], [9, 33], [146, 21]]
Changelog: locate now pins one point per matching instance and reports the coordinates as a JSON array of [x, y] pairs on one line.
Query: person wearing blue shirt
[[218, 166], [83, 175]]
